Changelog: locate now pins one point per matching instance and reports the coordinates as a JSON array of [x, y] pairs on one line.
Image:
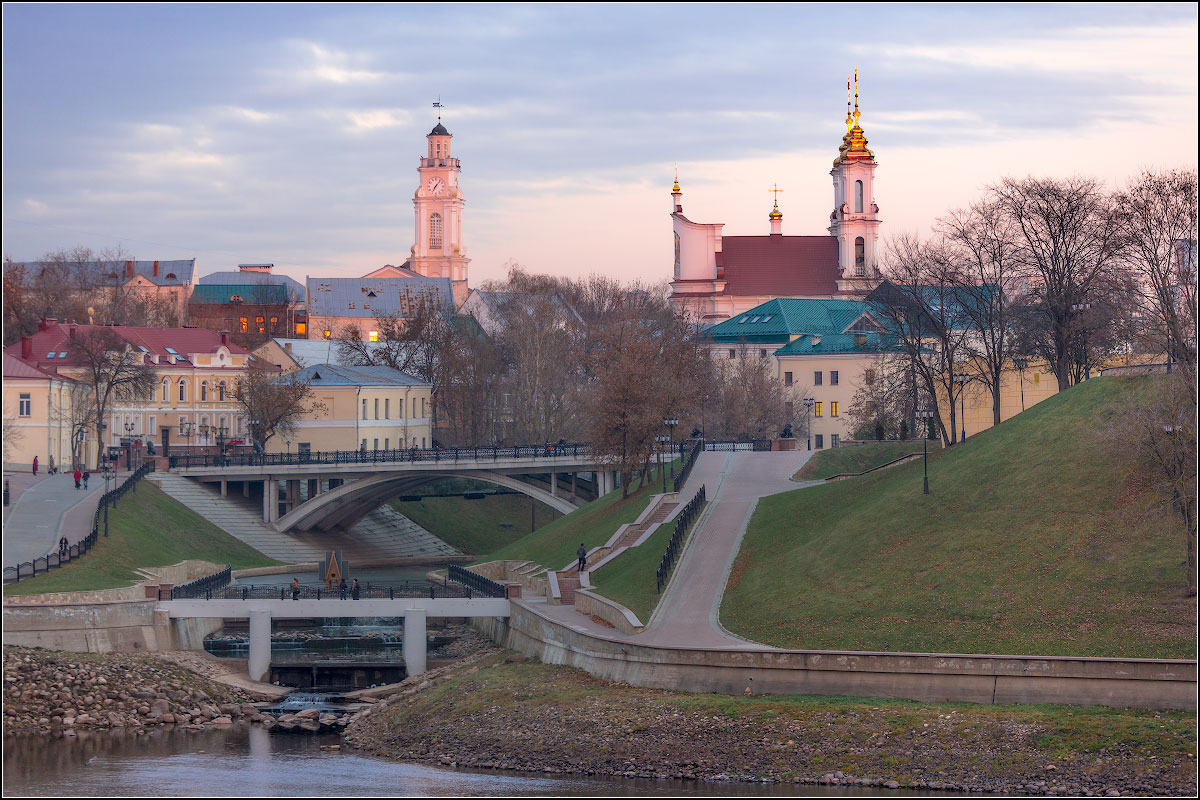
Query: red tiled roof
[[55, 339], [780, 266], [15, 368]]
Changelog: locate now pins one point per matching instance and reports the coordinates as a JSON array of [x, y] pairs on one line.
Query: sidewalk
[[46, 508]]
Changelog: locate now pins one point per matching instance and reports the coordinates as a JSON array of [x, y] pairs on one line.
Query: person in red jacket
[[78, 477]]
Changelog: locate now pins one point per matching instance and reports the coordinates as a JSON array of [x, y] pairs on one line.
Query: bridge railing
[[369, 591], [200, 586], [475, 583], [748, 445], [396, 456], [682, 523]]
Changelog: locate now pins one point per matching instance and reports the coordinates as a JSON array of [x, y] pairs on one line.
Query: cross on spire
[[775, 191]]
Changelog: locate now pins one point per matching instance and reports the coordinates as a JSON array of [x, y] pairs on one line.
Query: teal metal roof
[[248, 293], [341, 375], [785, 317], [836, 343]]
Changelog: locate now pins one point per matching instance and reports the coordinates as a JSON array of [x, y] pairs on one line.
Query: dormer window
[[351, 305], [237, 298], [170, 276]]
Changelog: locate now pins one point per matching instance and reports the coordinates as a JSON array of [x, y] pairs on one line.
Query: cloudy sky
[[290, 134]]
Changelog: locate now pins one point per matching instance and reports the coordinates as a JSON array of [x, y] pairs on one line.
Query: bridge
[[333, 490]]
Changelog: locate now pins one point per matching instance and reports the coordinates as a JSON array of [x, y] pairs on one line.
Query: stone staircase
[[382, 534]]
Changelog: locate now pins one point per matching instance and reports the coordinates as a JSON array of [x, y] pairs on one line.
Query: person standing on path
[[581, 553], [63, 546], [78, 477], [342, 589], [86, 475], [51, 470], [295, 588], [35, 466], [354, 590]]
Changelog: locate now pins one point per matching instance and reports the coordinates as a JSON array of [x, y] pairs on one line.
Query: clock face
[[436, 185]]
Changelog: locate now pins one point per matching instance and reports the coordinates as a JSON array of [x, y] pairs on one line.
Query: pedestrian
[[582, 554], [35, 466], [86, 475], [295, 588], [354, 590], [78, 477], [51, 469], [342, 589], [63, 546]]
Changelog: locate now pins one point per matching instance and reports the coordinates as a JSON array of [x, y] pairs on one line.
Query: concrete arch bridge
[[333, 491]]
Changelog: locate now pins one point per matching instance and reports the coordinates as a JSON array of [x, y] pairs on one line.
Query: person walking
[[51, 469], [342, 589], [35, 466], [354, 590], [78, 477], [63, 546], [86, 475], [582, 554], [295, 588]]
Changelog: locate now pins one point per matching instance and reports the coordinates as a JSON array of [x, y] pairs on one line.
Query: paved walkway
[[45, 508], [688, 614]]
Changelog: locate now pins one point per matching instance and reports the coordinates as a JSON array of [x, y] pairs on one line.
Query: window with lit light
[[373, 336]]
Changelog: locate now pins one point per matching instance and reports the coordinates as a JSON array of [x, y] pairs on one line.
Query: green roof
[[248, 293], [784, 317], [834, 343]]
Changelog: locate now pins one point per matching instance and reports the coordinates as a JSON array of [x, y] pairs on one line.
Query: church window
[[435, 232], [858, 197], [860, 256]]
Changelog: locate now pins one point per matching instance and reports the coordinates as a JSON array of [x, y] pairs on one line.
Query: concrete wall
[[1148, 683], [121, 626], [173, 574]]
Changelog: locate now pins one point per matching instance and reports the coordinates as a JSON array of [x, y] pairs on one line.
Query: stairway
[[382, 534]]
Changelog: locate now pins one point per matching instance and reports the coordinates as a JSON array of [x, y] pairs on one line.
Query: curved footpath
[[46, 508], [684, 644]]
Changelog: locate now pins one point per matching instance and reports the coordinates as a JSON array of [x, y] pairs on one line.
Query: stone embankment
[[497, 711], [47, 690]]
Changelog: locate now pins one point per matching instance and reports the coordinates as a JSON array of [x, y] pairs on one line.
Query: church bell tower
[[855, 218], [438, 251]]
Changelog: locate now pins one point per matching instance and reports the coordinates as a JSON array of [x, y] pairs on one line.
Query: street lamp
[[671, 422], [1082, 308], [925, 414], [961, 378], [808, 403], [662, 440], [1021, 364]]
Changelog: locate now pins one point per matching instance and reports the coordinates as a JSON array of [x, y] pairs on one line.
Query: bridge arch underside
[[343, 506]]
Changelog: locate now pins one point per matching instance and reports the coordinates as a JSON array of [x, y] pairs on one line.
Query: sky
[[290, 134]]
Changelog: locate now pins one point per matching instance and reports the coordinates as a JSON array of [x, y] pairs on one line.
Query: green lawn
[[629, 578], [1030, 543], [857, 458], [146, 529], [475, 526], [553, 546]]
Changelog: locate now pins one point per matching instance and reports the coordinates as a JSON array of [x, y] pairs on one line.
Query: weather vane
[[438, 105]]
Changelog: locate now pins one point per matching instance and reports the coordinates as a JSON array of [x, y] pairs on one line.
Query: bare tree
[[12, 435], [112, 371], [880, 406], [273, 403], [750, 401], [1068, 237]]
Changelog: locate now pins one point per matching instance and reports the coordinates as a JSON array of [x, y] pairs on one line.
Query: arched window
[[182, 391], [221, 393], [435, 232], [166, 389], [858, 197], [860, 256], [204, 392]]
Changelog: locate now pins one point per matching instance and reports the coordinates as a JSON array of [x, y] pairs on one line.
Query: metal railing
[[682, 477], [201, 586], [248, 591], [57, 558], [474, 582], [748, 445], [395, 456], [682, 523]]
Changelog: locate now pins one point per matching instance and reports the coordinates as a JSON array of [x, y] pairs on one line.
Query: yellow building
[[361, 408], [37, 415]]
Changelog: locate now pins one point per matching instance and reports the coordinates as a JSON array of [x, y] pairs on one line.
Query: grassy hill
[[1029, 544], [478, 527], [858, 458], [146, 529], [554, 545]]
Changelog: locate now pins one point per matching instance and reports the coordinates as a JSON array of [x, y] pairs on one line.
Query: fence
[[682, 523], [411, 454], [56, 559], [201, 586], [682, 477], [245, 591], [474, 582], [755, 445]]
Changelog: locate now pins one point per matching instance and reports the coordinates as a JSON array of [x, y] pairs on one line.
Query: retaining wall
[[103, 627], [182, 572], [931, 677]]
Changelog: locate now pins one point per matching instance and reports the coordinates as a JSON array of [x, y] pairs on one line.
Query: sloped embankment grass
[[859, 458], [146, 529], [1028, 544]]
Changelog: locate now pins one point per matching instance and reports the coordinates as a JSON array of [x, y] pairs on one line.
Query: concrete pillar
[[293, 494], [554, 484], [414, 640], [260, 644], [245, 488], [268, 497], [224, 488], [320, 486], [574, 475]]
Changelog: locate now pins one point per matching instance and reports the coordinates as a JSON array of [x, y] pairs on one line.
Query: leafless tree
[[112, 371], [12, 435], [750, 402], [880, 406], [1067, 240], [273, 403]]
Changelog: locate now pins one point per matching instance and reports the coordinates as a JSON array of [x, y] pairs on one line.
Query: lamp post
[[961, 378], [808, 403], [1021, 364], [671, 422], [129, 426], [662, 440], [926, 415], [1083, 308]]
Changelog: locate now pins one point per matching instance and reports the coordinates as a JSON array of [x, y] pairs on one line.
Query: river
[[249, 761]]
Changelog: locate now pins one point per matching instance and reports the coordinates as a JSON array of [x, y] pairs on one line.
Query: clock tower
[[438, 251]]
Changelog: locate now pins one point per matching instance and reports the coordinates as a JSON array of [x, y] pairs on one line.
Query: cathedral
[[718, 276]]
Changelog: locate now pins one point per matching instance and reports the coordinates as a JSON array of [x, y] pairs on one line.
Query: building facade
[[338, 306]]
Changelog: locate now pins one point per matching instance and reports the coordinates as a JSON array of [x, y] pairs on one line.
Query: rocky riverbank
[[46, 690], [497, 711]]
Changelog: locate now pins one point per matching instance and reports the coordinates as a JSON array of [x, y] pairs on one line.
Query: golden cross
[[775, 191]]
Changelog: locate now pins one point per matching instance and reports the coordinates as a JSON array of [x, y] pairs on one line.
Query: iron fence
[[395, 456], [200, 586], [682, 477], [748, 445], [474, 582], [682, 523], [57, 558], [369, 591]]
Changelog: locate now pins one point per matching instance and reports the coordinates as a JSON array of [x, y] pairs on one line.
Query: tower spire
[[676, 190], [849, 118]]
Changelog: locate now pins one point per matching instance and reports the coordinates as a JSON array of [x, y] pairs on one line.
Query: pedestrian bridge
[[333, 490]]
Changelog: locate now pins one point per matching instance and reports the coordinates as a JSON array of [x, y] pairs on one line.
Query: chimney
[[156, 269], [72, 332], [225, 338], [128, 269], [26, 348], [287, 348], [46, 323]]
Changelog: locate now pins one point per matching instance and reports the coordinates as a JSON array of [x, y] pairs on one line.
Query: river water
[[249, 761]]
